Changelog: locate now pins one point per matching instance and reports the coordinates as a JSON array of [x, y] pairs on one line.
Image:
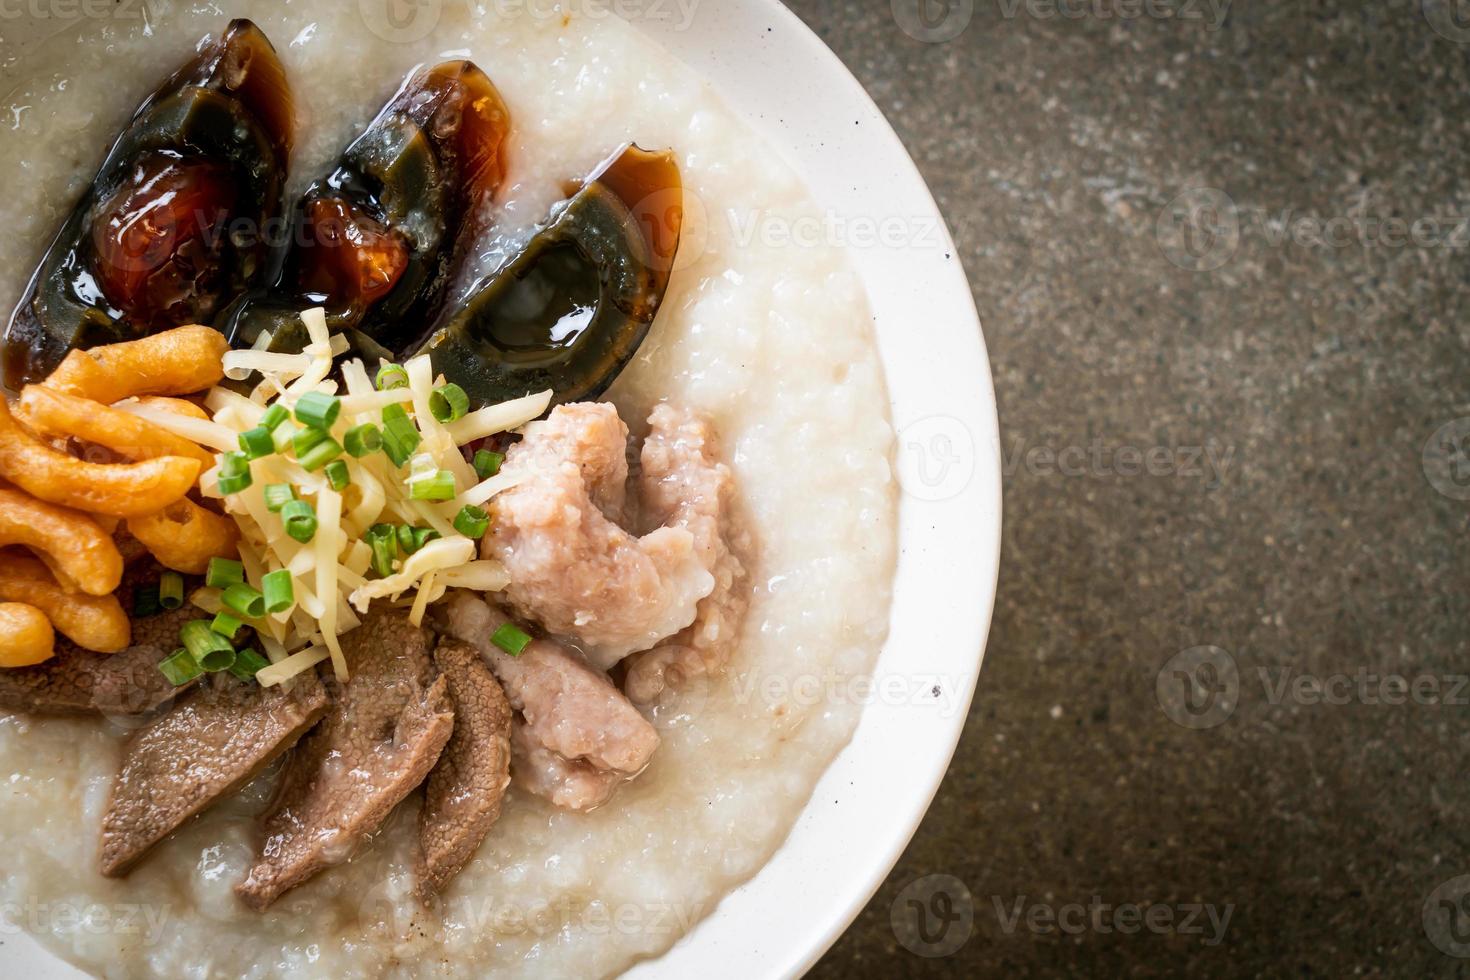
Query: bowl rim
[[794, 90]]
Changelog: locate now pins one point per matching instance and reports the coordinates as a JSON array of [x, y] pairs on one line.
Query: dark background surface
[[1317, 367]]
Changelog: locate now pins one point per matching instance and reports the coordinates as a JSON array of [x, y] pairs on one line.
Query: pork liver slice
[[377, 743]]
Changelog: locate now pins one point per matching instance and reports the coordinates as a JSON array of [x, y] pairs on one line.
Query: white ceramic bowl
[[784, 82]]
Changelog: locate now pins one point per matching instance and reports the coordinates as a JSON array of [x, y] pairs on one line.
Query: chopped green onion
[[440, 486], [448, 402], [300, 520], [226, 625], [378, 530], [405, 539], [171, 590], [394, 411], [472, 521], [145, 601], [284, 434], [385, 549], [320, 454], [391, 376], [257, 442], [363, 439], [337, 476], [318, 410], [234, 473], [247, 664], [224, 572], [245, 600], [510, 638], [280, 593], [422, 465], [487, 463], [274, 416], [422, 536], [400, 437], [278, 495], [233, 484], [180, 667], [234, 464], [210, 651]]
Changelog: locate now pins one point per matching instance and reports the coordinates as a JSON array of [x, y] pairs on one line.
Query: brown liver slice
[[377, 743], [206, 748], [463, 794]]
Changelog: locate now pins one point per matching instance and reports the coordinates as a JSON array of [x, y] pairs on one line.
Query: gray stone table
[[1222, 260]]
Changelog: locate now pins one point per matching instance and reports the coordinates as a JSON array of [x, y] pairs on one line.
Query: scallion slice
[[363, 439], [257, 442], [422, 536], [247, 664], [180, 667], [278, 495], [280, 593], [400, 439], [210, 651], [320, 454], [337, 476], [487, 463], [234, 473], [171, 590], [274, 416], [472, 522], [440, 486], [318, 410], [510, 638], [245, 600], [385, 548], [224, 572], [391, 376], [406, 539], [226, 625], [448, 402], [300, 520]]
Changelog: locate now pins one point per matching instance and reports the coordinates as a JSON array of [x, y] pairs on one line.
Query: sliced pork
[[569, 706], [573, 568], [377, 743], [463, 794], [683, 484], [207, 748]]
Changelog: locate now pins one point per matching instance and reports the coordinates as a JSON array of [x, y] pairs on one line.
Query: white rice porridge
[[772, 341]]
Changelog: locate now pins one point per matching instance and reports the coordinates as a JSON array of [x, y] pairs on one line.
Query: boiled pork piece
[[573, 567], [377, 743], [462, 797], [205, 749], [683, 484], [570, 783], [576, 737]]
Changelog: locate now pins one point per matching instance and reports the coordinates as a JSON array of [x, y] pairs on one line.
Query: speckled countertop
[[1222, 258]]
